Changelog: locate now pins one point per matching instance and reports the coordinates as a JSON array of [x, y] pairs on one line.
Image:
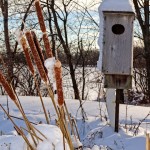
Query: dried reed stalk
[[18, 129], [58, 77], [28, 124], [47, 46], [31, 68], [60, 118], [36, 56], [64, 130], [43, 106], [70, 122], [7, 87], [32, 134], [147, 141], [40, 132], [13, 96], [27, 55], [40, 15]]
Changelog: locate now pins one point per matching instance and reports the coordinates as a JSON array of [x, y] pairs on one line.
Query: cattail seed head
[[47, 45], [38, 47], [37, 44], [23, 42], [7, 87], [40, 15], [36, 56], [58, 77]]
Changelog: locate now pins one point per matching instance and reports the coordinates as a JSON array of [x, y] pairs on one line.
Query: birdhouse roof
[[117, 5]]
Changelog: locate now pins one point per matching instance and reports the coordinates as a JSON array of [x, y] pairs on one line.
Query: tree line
[[73, 30]]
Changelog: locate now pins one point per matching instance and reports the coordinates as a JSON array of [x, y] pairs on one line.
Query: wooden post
[[147, 141], [118, 96]]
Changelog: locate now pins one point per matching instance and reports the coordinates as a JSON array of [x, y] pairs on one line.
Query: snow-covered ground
[[95, 132]]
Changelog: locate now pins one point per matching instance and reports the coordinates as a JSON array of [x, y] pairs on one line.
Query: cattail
[[38, 47], [7, 87], [43, 28], [47, 45], [58, 76], [37, 44], [27, 55], [36, 56], [40, 15]]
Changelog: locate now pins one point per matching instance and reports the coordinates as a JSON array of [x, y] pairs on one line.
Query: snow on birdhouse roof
[[117, 5]]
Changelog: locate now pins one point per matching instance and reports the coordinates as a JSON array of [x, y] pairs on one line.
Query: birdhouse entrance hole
[[118, 29]]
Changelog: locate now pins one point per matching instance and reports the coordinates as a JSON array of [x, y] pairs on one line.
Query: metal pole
[[118, 95]]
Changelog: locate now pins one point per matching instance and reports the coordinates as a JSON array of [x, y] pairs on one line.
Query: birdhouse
[[117, 62]]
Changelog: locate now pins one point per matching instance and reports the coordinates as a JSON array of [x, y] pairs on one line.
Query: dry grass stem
[[51, 95], [28, 124], [29, 62], [17, 128], [27, 141], [31, 133], [40, 132], [70, 122], [60, 119], [7, 87], [47, 45], [147, 141], [27, 55], [36, 56], [40, 15], [41, 99], [64, 130], [58, 77], [13, 96]]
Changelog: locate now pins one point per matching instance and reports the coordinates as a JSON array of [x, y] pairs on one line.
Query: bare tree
[[11, 10], [66, 20], [4, 8], [142, 8]]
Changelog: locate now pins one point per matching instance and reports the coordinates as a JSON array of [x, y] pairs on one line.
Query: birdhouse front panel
[[117, 43]]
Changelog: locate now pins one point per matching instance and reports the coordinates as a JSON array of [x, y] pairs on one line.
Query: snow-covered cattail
[[7, 87], [36, 56], [47, 45], [24, 45], [58, 77], [40, 15]]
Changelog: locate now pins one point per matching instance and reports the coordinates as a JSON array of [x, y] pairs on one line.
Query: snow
[[95, 133], [110, 5], [111, 105], [18, 34], [54, 138], [49, 64], [117, 5], [76, 142], [11, 142]]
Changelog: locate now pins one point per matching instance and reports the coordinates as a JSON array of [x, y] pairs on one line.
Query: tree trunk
[[66, 50], [4, 8]]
